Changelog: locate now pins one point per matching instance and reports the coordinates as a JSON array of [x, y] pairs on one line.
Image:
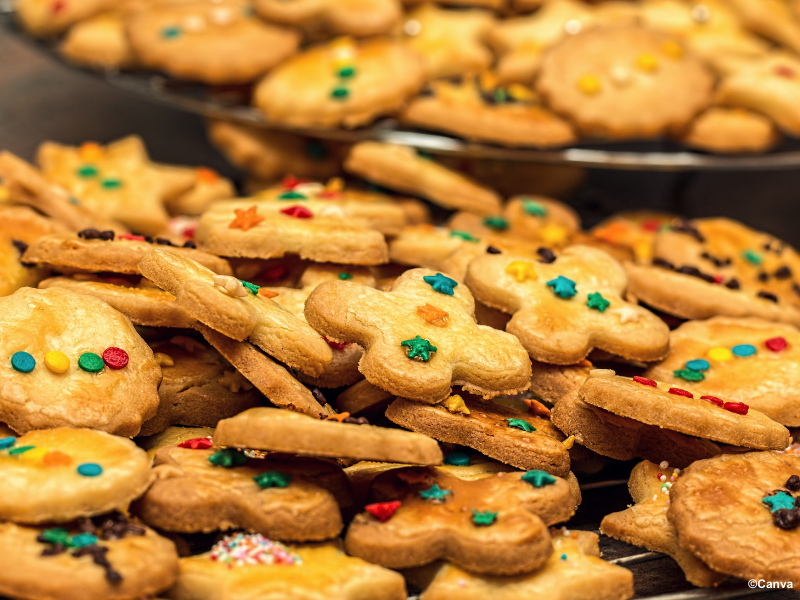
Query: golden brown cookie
[[730, 130], [334, 17], [48, 17], [634, 229], [100, 42]]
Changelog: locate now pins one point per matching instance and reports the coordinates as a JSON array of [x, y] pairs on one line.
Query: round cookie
[[731, 130], [34, 323], [624, 82], [727, 512], [56, 475]]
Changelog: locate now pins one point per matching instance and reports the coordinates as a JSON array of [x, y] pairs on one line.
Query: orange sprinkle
[[90, 152], [434, 316], [267, 293], [585, 363], [340, 417], [536, 408], [55, 458], [245, 219], [206, 175]]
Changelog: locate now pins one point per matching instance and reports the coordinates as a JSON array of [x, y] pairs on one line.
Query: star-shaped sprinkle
[[297, 212], [434, 493], [626, 314], [483, 518], [538, 478], [562, 287], [521, 424], [465, 235], [597, 302], [779, 501], [292, 195], [245, 219], [441, 283], [251, 287], [498, 223], [534, 208], [419, 348], [271, 479], [383, 510], [227, 457], [455, 404], [522, 270], [345, 276], [203, 443], [434, 316], [339, 417]]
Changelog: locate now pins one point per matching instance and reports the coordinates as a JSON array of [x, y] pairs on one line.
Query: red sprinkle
[[784, 71], [776, 344], [58, 6], [712, 399], [188, 232], [337, 345], [275, 272], [290, 182], [740, 408], [680, 392], [330, 194], [650, 225], [645, 381], [115, 358], [197, 444], [298, 212], [718, 278], [383, 510], [130, 236]]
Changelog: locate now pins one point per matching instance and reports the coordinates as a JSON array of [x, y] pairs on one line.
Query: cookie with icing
[[99, 42], [73, 360], [334, 17]]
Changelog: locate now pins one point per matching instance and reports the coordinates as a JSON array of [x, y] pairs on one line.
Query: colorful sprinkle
[[689, 375], [267, 293], [23, 362], [90, 362], [292, 195], [340, 92], [645, 381], [698, 364], [521, 424], [441, 283], [779, 501], [56, 361], [562, 287], [713, 400], [36, 454], [647, 62], [456, 404], [383, 511], [589, 85], [250, 287], [776, 344], [754, 258], [498, 223], [86, 171], [455, 458], [346, 72], [297, 212], [83, 539], [56, 458], [740, 408], [345, 276], [7, 442], [679, 392], [465, 235], [20, 450], [252, 549], [534, 209], [538, 479], [434, 316], [597, 302], [170, 33], [245, 219], [271, 479], [419, 348], [485, 518], [522, 270], [744, 350], [111, 183], [434, 493], [89, 469], [115, 358], [202, 443], [672, 49], [720, 354]]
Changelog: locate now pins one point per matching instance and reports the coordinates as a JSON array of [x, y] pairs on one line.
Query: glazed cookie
[[420, 338], [198, 387], [633, 229], [482, 110], [202, 489], [674, 408], [449, 42], [51, 17], [117, 181], [564, 306], [730, 130], [341, 83], [99, 42], [315, 230], [624, 82], [708, 267], [321, 570], [493, 526], [741, 359], [73, 360], [239, 311], [102, 251], [57, 475], [646, 524], [338, 17], [286, 431], [213, 43], [502, 433], [574, 570], [401, 168], [106, 558], [756, 536]]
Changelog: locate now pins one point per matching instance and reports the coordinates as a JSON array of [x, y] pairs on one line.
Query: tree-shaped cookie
[[420, 337], [239, 311], [343, 17], [495, 525], [563, 308]]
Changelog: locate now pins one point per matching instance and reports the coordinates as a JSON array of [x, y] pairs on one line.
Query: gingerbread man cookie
[[420, 337], [338, 17], [566, 305]]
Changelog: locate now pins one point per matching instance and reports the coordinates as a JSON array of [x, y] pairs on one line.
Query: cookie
[[674, 408], [226, 305], [564, 306], [72, 360], [204, 489], [91, 250], [214, 44], [117, 181], [730, 130], [57, 475], [198, 389], [286, 431], [634, 229], [494, 525], [574, 570], [334, 17], [401, 168], [481, 110], [172, 436], [646, 524], [615, 82], [363, 398], [114, 560], [708, 267], [208, 187], [742, 359], [502, 433], [420, 338], [320, 569], [47, 18], [270, 229], [99, 42], [755, 536], [341, 83], [449, 42], [773, 19]]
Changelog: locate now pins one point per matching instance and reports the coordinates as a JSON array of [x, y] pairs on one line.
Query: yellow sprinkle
[[520, 93], [672, 49], [35, 454], [521, 270], [455, 404], [567, 443], [720, 354], [4, 193], [335, 184], [164, 360], [56, 361], [554, 234], [643, 249], [589, 85], [647, 62]]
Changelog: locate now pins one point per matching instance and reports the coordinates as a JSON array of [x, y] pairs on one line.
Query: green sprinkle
[[345, 276], [689, 375], [754, 258], [87, 171], [292, 195], [538, 478], [227, 457], [347, 72], [434, 493], [271, 479], [82, 539], [171, 33], [340, 93], [465, 235], [419, 348], [56, 535], [456, 458], [500, 95], [111, 183], [498, 223], [597, 302], [521, 424], [20, 450], [251, 287], [534, 208], [91, 362], [484, 518]]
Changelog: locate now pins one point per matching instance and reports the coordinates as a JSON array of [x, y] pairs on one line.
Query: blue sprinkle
[[90, 469], [563, 557], [698, 364], [23, 362], [83, 539], [744, 350], [7, 442], [458, 459]]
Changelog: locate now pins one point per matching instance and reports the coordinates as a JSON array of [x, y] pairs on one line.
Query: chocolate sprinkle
[[665, 264], [783, 272], [546, 255], [733, 284], [695, 272], [793, 483], [319, 396], [786, 519], [189, 244], [94, 234], [358, 421], [767, 296], [493, 250], [718, 262], [682, 225], [763, 277], [163, 242], [20, 246]]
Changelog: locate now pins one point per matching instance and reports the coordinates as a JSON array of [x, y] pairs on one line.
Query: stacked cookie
[[340, 398]]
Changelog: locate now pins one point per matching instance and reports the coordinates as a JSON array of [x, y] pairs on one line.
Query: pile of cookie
[[331, 396], [718, 75]]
